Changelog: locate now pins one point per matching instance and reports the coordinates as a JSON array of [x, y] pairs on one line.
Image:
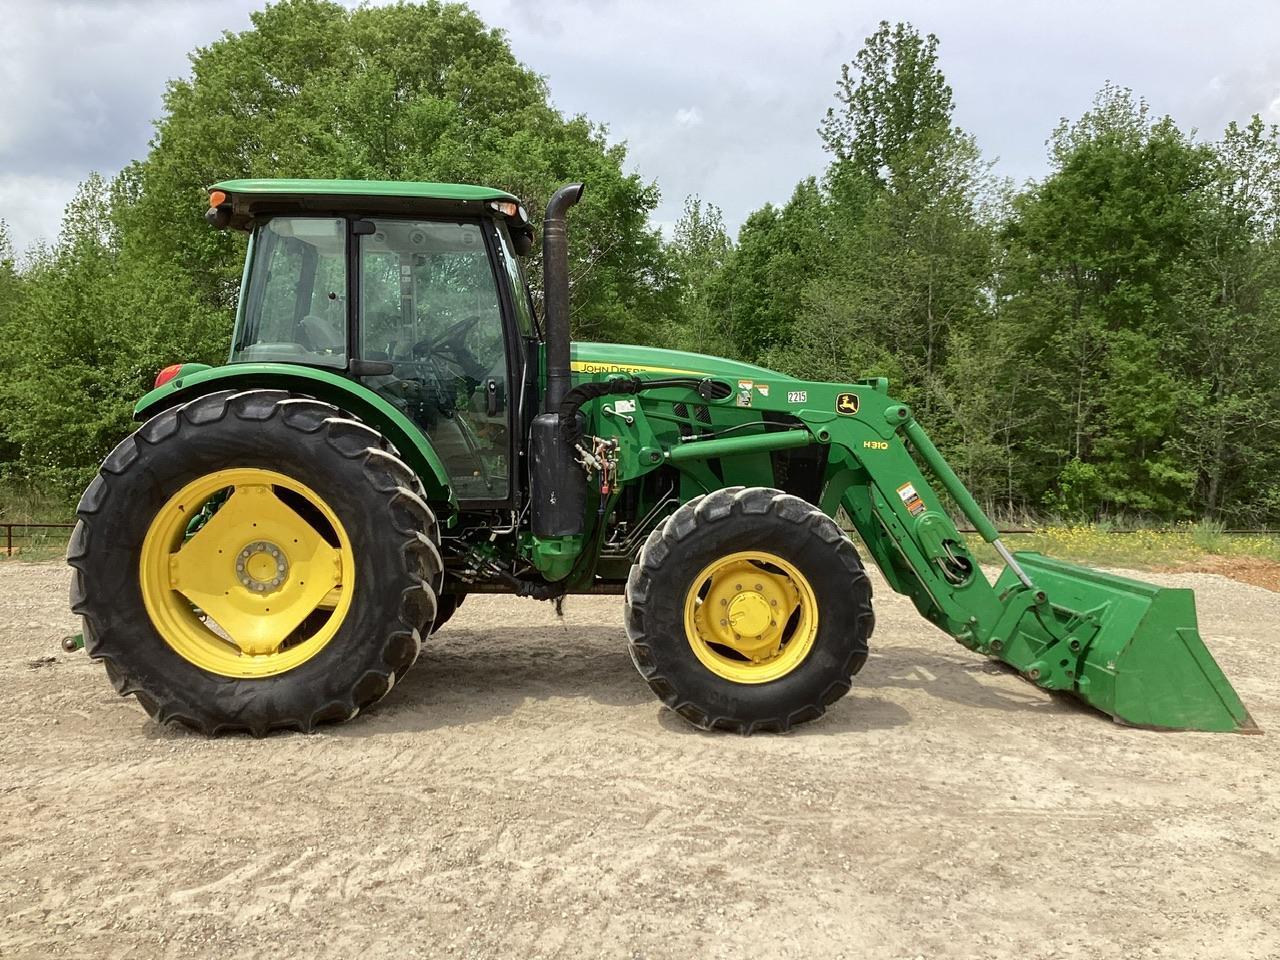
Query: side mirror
[[522, 240]]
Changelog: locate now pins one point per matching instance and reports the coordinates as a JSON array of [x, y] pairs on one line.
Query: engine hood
[[589, 360]]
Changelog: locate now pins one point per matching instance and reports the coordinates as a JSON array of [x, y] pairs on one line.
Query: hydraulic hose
[[584, 393]]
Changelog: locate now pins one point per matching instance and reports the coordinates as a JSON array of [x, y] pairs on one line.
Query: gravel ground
[[520, 794]]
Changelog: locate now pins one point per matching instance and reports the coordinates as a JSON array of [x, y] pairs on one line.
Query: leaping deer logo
[[847, 403]]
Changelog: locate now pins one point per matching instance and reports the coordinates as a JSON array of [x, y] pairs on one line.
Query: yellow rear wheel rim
[[257, 587], [751, 617]]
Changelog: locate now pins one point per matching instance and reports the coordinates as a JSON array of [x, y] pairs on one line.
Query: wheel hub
[[750, 614], [228, 597], [262, 567], [738, 616]]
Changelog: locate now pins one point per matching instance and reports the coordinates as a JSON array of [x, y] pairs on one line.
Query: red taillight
[[167, 374]]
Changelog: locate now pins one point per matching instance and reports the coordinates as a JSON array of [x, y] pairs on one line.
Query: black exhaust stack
[[555, 297], [557, 484]]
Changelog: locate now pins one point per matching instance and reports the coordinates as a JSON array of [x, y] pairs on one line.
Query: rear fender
[[331, 387]]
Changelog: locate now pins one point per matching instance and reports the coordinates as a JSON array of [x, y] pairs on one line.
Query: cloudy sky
[[715, 97]]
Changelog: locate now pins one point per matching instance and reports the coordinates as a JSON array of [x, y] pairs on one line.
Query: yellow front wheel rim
[[246, 573], [751, 617]]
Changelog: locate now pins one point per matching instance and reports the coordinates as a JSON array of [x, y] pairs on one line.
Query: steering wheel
[[451, 336]]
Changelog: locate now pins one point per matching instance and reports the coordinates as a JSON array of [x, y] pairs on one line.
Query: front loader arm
[[901, 519], [1128, 648]]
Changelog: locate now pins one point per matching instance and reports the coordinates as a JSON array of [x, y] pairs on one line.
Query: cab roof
[[254, 198]]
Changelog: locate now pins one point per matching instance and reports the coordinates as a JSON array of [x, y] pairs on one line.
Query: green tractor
[[396, 429]]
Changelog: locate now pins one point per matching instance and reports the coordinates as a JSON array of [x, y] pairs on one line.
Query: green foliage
[[80, 351], [1102, 345], [697, 254], [760, 291], [897, 274], [404, 92], [1075, 495], [893, 118]]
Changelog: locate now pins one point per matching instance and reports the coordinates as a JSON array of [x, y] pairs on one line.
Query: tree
[[405, 92], [92, 329], [1096, 253], [12, 291], [1232, 297], [759, 293], [894, 107], [699, 248], [912, 256]]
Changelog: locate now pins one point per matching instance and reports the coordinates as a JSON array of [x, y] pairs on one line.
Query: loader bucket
[[1140, 657]]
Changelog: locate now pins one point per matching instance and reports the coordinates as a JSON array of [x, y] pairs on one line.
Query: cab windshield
[[294, 306]]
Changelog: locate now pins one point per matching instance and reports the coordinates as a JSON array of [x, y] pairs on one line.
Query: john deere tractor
[[396, 429]]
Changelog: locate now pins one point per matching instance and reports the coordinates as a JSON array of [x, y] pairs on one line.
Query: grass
[[27, 503], [1140, 548]]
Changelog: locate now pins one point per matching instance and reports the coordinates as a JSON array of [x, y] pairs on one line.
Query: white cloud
[[720, 98], [688, 117], [31, 205]]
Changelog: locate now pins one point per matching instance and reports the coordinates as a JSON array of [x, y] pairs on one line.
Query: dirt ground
[[520, 794], [1255, 570]]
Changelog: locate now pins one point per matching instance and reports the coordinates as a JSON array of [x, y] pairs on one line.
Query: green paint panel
[[593, 360]]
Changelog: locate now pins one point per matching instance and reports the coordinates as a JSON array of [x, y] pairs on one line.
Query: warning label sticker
[[744, 393], [915, 506]]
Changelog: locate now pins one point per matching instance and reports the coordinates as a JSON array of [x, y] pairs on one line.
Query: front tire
[[748, 610], [254, 561]]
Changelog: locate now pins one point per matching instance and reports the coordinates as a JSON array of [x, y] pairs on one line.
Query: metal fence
[[19, 535]]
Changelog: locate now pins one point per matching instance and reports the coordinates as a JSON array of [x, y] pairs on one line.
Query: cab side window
[[295, 306]]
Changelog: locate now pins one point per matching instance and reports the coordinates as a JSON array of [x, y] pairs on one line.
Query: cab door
[[431, 304]]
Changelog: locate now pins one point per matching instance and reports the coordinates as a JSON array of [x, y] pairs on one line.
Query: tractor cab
[[414, 289]]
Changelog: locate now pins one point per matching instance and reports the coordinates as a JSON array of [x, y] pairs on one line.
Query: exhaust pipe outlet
[[555, 283], [557, 484]]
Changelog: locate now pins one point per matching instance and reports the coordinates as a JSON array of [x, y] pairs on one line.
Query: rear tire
[[393, 559], [714, 686]]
